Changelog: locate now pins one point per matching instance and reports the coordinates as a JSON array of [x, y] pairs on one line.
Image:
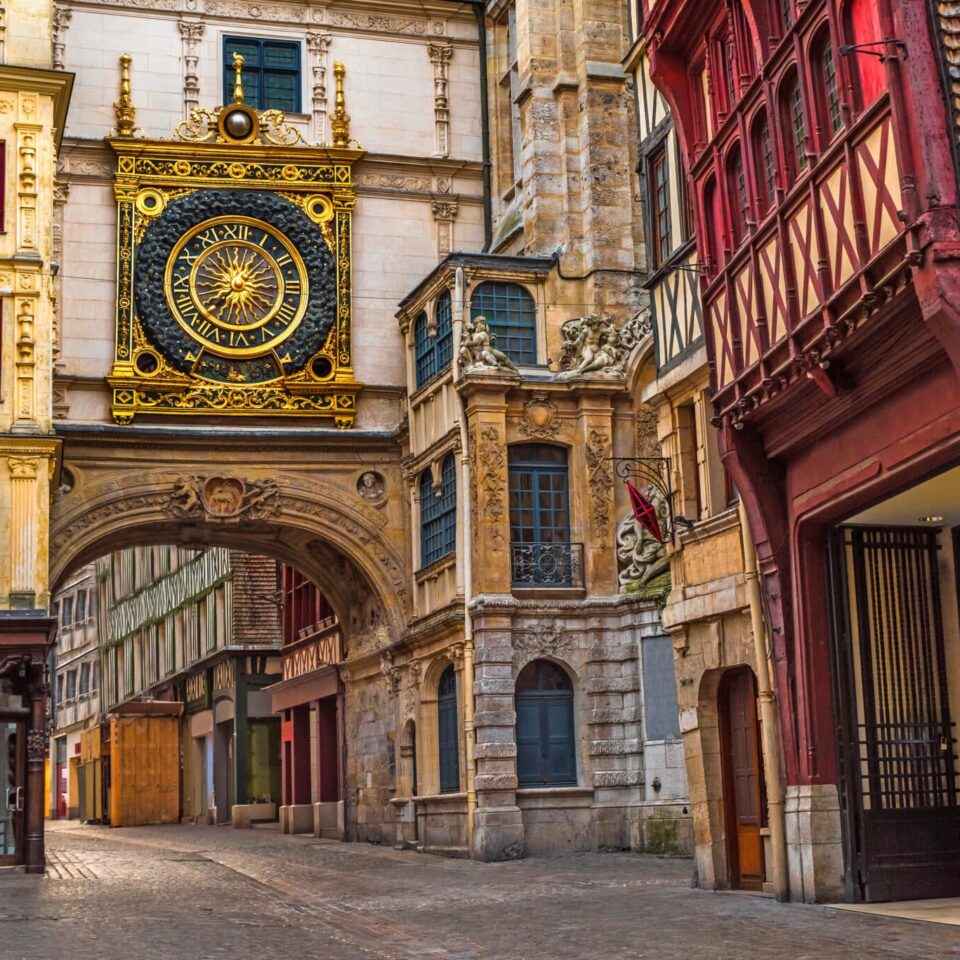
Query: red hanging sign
[[645, 513]]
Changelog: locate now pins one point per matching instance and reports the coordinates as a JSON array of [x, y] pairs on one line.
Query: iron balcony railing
[[547, 564]]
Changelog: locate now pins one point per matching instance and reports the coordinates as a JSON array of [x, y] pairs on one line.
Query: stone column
[[23, 531], [61, 20]]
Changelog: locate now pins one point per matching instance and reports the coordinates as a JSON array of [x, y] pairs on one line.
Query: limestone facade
[[560, 248]]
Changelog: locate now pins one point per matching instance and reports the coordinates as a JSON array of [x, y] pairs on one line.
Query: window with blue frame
[[511, 316], [438, 513], [433, 354], [449, 747], [271, 73], [539, 498], [545, 732]]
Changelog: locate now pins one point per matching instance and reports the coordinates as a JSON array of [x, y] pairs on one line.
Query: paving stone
[[203, 893]]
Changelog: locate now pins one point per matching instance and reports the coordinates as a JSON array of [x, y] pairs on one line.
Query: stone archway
[[282, 501]]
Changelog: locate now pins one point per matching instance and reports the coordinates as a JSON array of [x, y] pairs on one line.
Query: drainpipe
[[466, 554], [769, 740]]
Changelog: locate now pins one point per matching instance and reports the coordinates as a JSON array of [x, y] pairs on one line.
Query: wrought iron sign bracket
[[865, 49], [649, 477]]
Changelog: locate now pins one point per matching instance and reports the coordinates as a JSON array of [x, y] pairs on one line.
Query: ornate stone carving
[[391, 673], [385, 181], [488, 474], [224, 498], [455, 652], [191, 31], [591, 345], [440, 56], [202, 125], [25, 359], [381, 24], [371, 486], [36, 745], [540, 421], [543, 638], [444, 212], [61, 20], [318, 44], [24, 468], [642, 558], [477, 352], [600, 475], [635, 331]]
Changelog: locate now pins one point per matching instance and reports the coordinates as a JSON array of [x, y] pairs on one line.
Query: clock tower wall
[[414, 107]]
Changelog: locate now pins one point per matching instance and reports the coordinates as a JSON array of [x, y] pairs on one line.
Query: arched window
[[438, 513], [449, 746], [511, 316], [829, 117], [861, 24], [763, 164], [794, 126], [546, 754], [737, 196], [712, 225]]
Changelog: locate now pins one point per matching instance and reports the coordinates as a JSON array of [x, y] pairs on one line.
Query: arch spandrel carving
[[316, 526]]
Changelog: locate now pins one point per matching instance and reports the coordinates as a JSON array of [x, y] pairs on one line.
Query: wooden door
[[743, 779]]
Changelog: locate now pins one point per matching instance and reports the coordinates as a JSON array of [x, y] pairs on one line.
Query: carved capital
[[24, 468]]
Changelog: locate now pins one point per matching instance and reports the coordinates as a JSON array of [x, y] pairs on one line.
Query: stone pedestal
[[814, 846], [296, 818]]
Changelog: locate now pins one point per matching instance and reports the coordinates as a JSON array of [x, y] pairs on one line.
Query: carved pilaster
[[61, 20], [3, 33], [191, 32], [27, 131], [23, 524], [61, 191], [440, 56], [26, 361], [319, 44], [444, 212], [489, 513]]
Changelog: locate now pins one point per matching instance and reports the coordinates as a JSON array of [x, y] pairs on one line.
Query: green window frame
[[271, 73]]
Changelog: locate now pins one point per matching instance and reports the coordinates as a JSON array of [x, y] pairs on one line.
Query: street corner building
[[359, 293], [819, 142]]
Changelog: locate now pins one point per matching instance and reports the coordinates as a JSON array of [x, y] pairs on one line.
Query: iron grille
[[547, 564]]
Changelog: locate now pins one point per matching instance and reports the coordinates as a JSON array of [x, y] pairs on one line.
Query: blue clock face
[[235, 286]]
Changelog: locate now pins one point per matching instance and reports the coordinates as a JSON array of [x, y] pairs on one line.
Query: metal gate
[[898, 776]]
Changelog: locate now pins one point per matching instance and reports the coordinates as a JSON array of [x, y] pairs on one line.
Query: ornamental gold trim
[[149, 175]]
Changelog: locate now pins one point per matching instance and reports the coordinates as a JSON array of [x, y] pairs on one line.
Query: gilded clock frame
[[150, 173]]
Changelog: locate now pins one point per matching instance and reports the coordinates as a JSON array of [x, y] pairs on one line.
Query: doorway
[[743, 788], [898, 786], [12, 789]]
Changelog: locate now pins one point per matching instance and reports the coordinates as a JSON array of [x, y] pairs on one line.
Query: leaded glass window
[[271, 73], [425, 354], [438, 513], [539, 502], [511, 317], [830, 87]]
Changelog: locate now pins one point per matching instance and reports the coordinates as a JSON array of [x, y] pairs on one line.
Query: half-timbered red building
[[820, 139]]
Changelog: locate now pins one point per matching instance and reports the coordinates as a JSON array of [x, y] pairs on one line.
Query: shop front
[[309, 700]]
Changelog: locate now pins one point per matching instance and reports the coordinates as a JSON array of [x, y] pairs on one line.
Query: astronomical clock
[[234, 269]]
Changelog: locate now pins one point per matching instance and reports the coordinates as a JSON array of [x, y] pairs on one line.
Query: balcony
[[540, 565]]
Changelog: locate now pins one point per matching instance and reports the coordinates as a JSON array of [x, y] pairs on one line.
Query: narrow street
[[204, 892]]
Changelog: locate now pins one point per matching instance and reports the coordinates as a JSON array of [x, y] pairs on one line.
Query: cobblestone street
[[204, 892]]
